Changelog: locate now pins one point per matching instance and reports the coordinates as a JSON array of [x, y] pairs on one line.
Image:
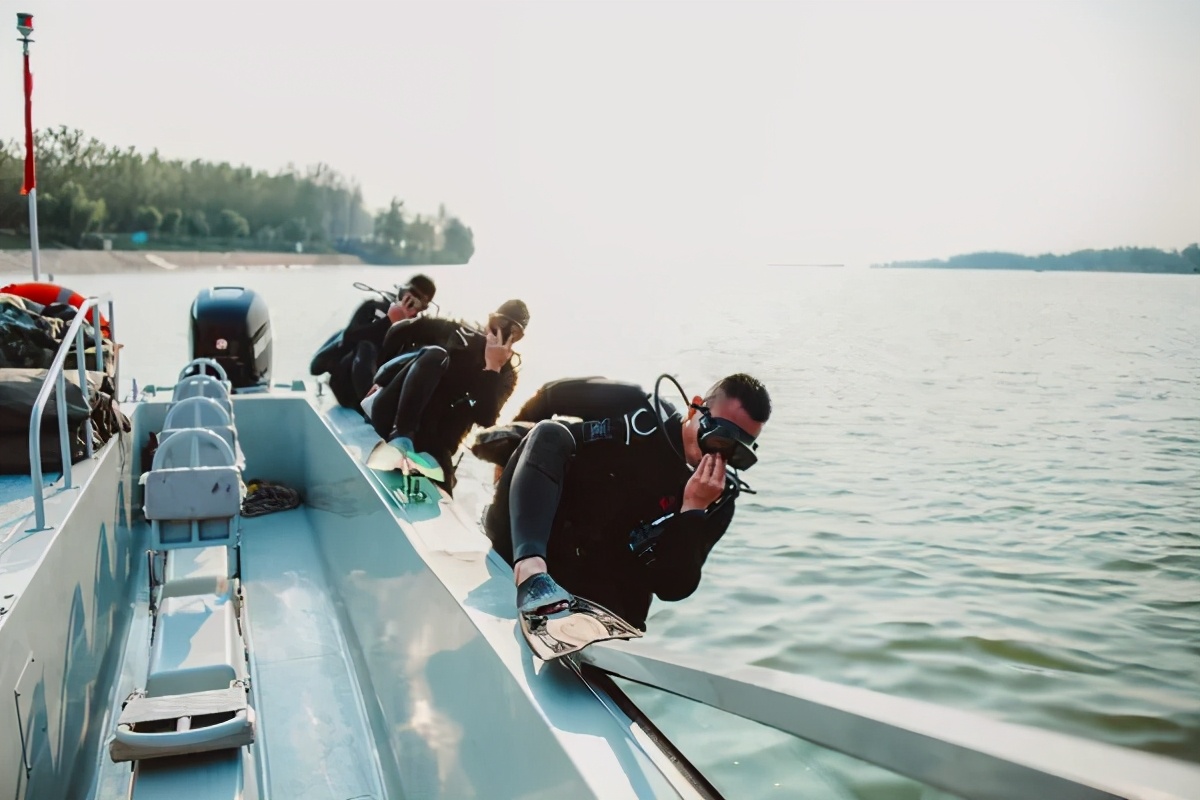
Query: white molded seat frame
[[203, 386], [197, 412], [193, 494], [222, 375], [202, 412]]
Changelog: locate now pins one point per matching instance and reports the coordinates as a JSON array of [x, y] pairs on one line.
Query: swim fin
[[387, 457], [582, 623]]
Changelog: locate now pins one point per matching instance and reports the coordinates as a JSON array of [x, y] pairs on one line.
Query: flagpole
[[25, 27]]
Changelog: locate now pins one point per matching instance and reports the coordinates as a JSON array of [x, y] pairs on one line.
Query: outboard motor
[[232, 325]]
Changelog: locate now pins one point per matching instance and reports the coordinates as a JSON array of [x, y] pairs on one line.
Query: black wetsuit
[[574, 493], [437, 396], [350, 355]]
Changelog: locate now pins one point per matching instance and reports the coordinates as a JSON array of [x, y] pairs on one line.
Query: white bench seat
[[197, 646], [200, 570]]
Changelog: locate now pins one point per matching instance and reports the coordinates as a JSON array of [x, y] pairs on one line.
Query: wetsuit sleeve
[[491, 392], [367, 326], [682, 549], [372, 330]]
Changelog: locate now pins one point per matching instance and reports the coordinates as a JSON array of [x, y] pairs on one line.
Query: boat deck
[[22, 547], [372, 674], [312, 719], [314, 736], [16, 500]]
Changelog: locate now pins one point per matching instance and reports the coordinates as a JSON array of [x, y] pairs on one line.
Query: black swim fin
[[582, 623]]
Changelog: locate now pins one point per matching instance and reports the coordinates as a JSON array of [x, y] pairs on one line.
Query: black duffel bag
[[19, 390]]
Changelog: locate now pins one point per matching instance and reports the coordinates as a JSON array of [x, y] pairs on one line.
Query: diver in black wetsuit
[[440, 377], [612, 506], [350, 355]]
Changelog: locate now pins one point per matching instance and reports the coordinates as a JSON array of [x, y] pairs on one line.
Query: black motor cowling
[[232, 325]]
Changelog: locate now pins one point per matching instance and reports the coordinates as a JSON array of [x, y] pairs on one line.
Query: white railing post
[[55, 380], [112, 336], [64, 433], [35, 257], [81, 362], [35, 468]]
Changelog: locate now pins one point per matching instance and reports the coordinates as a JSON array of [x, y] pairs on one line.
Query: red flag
[[30, 180]]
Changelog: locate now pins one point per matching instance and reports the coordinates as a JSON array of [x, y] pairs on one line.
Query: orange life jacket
[[48, 293]]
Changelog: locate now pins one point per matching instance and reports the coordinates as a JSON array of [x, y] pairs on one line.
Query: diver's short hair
[[516, 310], [422, 286], [749, 391]]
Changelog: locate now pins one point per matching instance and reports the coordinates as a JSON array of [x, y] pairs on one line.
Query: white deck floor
[[314, 733]]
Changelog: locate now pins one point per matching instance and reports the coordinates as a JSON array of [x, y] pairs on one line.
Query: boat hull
[[64, 627]]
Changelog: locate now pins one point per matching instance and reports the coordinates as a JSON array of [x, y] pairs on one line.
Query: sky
[[585, 133]]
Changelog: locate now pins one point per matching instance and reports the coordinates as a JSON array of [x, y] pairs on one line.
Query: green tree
[[231, 224], [420, 241], [72, 213], [390, 225], [148, 218], [295, 230], [458, 245], [314, 204], [197, 223], [171, 222], [1192, 254]]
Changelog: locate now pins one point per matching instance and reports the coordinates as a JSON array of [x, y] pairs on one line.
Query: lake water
[[980, 489]]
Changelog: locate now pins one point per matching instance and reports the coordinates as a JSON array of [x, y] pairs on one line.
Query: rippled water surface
[[978, 488]]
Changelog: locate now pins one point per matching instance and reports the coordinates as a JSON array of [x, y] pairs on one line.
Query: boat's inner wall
[[354, 633]]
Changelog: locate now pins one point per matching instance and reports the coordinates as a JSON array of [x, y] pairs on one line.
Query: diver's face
[[508, 331], [720, 406], [731, 409], [406, 307]]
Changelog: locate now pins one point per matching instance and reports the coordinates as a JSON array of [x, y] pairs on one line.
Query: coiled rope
[[266, 497]]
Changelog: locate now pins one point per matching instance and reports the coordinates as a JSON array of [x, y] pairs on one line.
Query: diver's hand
[[497, 352], [706, 483], [406, 307]]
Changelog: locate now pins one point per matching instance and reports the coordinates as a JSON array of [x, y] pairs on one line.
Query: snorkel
[[717, 436], [387, 297], [390, 298], [644, 538]]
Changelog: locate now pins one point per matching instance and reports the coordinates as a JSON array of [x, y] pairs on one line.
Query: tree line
[[89, 192], [1119, 259]]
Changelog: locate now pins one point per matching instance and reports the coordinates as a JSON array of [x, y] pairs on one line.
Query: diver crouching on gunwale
[[620, 501], [438, 379], [350, 356]]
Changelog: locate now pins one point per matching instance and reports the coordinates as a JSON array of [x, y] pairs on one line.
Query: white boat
[[157, 643]]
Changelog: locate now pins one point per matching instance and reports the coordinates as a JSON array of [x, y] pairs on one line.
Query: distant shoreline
[[1121, 259], [98, 262]]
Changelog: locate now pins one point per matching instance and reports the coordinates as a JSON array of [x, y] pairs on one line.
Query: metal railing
[[56, 379], [966, 754]]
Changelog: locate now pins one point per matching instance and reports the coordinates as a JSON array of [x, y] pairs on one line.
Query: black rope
[[265, 497]]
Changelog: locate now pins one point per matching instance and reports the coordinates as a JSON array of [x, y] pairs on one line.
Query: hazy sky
[[727, 132]]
